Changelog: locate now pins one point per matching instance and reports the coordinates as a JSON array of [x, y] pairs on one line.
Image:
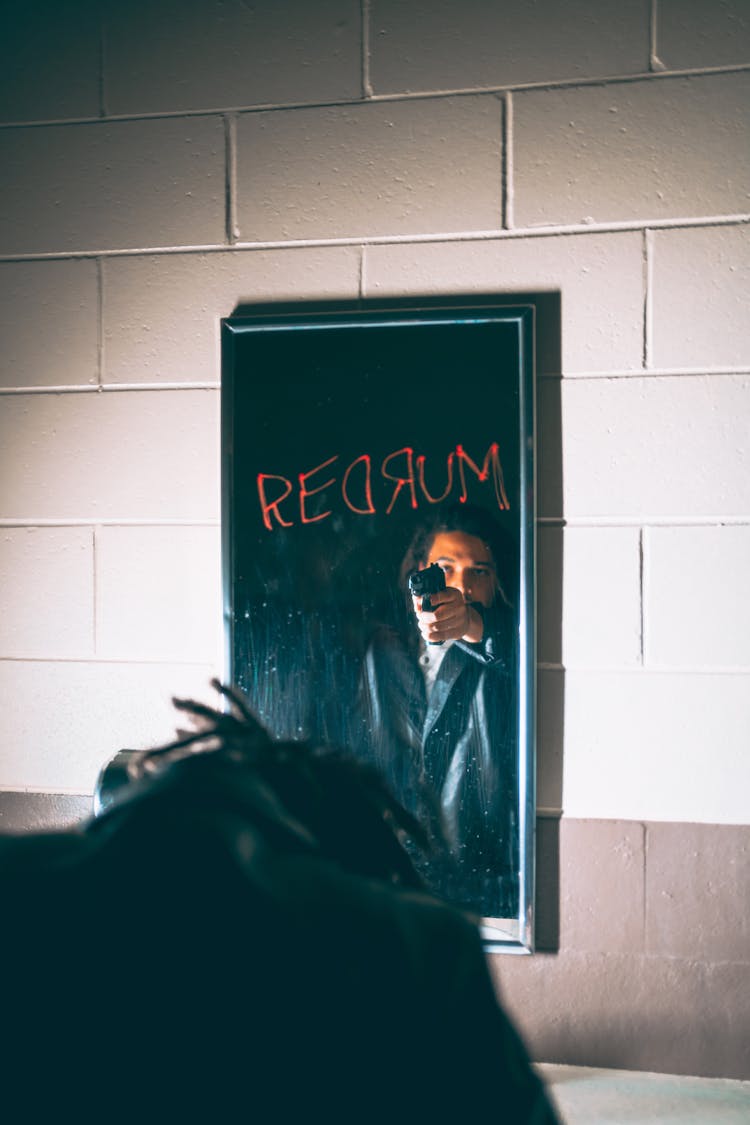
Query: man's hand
[[449, 619]]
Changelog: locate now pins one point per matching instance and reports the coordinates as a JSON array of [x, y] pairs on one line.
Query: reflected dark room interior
[[359, 447]]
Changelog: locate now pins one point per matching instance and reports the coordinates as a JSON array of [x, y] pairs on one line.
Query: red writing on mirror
[[401, 478]]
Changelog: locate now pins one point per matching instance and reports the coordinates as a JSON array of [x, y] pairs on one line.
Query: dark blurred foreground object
[[240, 936]]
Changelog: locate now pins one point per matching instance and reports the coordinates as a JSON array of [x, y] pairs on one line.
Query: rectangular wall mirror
[[362, 446]]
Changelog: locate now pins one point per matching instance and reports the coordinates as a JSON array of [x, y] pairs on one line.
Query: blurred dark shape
[[241, 936]]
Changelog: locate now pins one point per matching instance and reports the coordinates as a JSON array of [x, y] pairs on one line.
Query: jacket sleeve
[[497, 645]]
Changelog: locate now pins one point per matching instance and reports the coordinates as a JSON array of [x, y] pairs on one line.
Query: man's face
[[468, 565]]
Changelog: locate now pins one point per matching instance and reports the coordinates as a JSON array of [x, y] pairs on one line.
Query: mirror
[[361, 446]]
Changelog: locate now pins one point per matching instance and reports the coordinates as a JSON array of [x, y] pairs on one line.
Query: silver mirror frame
[[509, 936]]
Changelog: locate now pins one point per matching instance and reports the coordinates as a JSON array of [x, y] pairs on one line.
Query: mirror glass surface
[[360, 447]]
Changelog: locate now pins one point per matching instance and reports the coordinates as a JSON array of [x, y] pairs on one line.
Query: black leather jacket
[[453, 758]]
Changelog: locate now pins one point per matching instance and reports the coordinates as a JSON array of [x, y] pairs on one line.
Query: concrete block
[[69, 719], [697, 609], [47, 592], [203, 55], [602, 597], [410, 167], [692, 33], [158, 594], [700, 282], [698, 891], [459, 44], [602, 322], [657, 746], [602, 886], [41, 812], [657, 149], [621, 1011], [112, 185], [656, 447], [48, 323], [162, 312], [49, 60], [133, 455]]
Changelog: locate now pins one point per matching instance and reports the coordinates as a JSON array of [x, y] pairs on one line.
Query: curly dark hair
[[301, 796]]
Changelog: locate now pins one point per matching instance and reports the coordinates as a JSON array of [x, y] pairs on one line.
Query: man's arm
[[485, 634]]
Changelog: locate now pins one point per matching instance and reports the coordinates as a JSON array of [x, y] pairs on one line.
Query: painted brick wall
[[162, 163]]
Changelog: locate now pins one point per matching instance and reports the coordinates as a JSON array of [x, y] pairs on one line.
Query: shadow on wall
[[548, 306], [550, 708]]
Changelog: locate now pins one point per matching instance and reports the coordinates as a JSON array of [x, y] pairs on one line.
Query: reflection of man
[[440, 702]]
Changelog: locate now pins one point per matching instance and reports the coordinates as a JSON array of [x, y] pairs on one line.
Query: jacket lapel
[[448, 673]]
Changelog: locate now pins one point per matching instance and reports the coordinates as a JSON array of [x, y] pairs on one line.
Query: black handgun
[[422, 583]]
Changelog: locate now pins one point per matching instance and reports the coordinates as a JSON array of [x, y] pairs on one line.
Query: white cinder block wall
[[162, 162]]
